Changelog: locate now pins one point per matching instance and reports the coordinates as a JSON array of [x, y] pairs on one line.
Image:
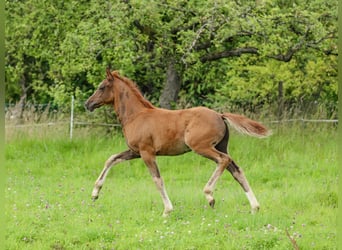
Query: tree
[[179, 52]]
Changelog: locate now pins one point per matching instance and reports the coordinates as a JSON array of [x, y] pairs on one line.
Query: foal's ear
[[109, 75]]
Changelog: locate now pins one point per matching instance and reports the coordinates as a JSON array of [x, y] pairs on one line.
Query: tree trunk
[[171, 89]]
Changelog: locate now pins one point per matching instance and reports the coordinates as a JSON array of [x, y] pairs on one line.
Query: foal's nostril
[[88, 105]]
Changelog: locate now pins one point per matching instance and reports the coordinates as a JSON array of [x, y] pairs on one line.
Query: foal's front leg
[[150, 161], [113, 160]]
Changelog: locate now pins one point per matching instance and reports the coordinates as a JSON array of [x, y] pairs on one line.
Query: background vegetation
[[294, 174], [263, 57], [254, 56]]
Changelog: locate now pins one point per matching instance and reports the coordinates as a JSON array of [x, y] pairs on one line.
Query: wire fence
[[306, 120], [74, 115]]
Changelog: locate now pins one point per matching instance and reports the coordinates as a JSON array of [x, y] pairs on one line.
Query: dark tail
[[245, 125]]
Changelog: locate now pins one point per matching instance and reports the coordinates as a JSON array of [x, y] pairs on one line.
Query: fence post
[[72, 116], [280, 101]]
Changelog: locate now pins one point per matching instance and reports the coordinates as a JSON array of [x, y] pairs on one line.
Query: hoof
[[255, 210], [95, 194], [212, 203], [167, 212]]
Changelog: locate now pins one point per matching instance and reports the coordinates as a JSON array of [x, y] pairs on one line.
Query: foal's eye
[[102, 88]]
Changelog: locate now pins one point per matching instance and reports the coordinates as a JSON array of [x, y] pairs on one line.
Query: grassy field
[[294, 175]]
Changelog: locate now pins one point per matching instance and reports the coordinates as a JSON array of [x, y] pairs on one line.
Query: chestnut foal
[[151, 131]]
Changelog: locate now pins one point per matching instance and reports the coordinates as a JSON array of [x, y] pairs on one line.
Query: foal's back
[[172, 132]]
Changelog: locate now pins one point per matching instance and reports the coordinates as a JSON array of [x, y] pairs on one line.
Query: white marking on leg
[[208, 194], [253, 201], [167, 203], [209, 187], [100, 180]]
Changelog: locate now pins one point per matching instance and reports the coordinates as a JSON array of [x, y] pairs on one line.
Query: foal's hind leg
[[240, 177], [225, 162], [222, 160], [113, 160]]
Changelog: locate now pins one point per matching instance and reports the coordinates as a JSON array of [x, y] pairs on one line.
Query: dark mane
[[134, 89]]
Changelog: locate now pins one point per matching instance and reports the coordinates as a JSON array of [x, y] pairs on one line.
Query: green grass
[[293, 173]]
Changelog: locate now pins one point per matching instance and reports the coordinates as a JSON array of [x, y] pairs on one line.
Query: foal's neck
[[128, 102]]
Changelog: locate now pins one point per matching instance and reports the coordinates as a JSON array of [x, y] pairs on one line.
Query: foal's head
[[104, 93]]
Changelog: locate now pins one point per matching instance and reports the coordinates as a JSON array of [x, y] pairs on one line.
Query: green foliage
[[50, 178], [235, 49], [312, 87]]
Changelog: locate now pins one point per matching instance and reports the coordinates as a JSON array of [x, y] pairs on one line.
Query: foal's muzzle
[[91, 105]]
